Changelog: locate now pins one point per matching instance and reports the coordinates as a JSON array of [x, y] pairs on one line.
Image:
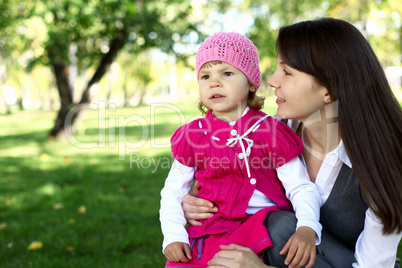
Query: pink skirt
[[252, 234]]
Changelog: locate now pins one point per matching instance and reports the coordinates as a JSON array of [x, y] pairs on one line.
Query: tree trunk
[[142, 95], [63, 127], [104, 66], [66, 99], [125, 103]]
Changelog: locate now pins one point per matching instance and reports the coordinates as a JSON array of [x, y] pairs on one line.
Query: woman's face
[[298, 94]]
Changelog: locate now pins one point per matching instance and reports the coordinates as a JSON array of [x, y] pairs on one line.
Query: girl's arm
[[373, 248], [306, 202], [303, 195], [171, 214]]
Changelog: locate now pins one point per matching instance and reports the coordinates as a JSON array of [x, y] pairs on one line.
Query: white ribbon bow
[[246, 152]]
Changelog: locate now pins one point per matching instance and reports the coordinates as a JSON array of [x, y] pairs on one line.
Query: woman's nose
[[272, 81]]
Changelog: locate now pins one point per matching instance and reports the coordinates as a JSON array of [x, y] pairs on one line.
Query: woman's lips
[[279, 100]]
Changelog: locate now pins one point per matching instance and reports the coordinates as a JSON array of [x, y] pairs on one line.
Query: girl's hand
[[235, 256], [178, 252], [300, 248], [196, 209]]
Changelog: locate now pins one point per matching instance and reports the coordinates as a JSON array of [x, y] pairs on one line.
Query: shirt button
[[233, 132], [241, 155], [253, 181]]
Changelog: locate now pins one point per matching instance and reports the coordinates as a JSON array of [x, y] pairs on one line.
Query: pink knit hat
[[234, 49]]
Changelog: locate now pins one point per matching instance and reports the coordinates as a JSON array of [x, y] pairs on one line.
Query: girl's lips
[[216, 97], [279, 100]]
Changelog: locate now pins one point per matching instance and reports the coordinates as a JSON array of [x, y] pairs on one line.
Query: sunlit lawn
[[91, 201], [93, 207]]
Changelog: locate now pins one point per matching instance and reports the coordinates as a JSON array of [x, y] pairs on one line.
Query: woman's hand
[[235, 256], [195, 208], [300, 248]]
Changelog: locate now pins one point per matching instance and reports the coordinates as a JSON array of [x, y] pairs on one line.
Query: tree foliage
[[92, 32], [380, 21]]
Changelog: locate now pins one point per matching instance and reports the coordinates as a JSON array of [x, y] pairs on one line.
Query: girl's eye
[[228, 74], [204, 77], [286, 72]]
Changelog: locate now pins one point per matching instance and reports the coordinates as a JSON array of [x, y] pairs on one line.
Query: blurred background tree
[[71, 44], [84, 34]]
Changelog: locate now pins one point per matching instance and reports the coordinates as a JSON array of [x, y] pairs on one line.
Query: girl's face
[[298, 94], [224, 89]]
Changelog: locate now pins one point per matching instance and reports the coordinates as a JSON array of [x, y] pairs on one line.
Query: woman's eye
[[286, 72]]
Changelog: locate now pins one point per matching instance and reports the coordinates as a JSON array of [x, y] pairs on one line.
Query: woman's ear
[[327, 98]]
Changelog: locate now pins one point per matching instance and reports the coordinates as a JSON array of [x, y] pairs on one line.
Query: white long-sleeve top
[[303, 196], [373, 248], [299, 189]]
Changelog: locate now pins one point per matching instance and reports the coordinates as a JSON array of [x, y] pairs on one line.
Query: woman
[[331, 86]]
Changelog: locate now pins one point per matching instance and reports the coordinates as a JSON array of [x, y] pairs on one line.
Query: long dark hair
[[370, 117]]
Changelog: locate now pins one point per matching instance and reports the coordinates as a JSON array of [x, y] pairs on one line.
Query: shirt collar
[[216, 123], [341, 152], [244, 113]]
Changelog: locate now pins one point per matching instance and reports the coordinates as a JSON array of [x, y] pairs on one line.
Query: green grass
[[118, 180], [43, 185]]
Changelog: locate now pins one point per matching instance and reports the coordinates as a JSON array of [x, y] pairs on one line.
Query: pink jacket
[[233, 161]]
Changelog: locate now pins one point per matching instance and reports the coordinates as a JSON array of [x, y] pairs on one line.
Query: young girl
[[245, 161]]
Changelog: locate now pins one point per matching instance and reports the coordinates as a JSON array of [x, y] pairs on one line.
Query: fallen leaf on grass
[[68, 159], [35, 245], [82, 210], [57, 206], [44, 156], [3, 225], [70, 249]]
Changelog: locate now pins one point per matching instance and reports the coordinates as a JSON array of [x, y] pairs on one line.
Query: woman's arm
[[235, 256], [195, 208], [373, 248]]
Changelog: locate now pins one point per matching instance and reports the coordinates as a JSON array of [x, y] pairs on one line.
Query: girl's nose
[[214, 83]]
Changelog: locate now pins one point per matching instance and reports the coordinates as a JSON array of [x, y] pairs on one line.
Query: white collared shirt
[[373, 248]]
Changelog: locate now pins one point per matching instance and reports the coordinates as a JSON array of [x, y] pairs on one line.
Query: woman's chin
[[281, 115]]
